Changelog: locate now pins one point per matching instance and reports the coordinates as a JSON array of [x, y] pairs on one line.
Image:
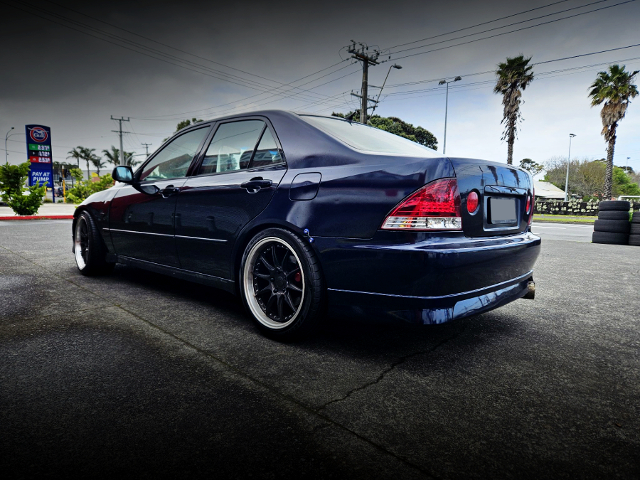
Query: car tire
[[635, 229], [636, 217], [614, 226], [616, 205], [89, 249], [610, 238], [634, 240], [614, 215], [281, 284]]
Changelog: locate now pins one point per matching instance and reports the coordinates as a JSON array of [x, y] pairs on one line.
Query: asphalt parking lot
[[139, 375]]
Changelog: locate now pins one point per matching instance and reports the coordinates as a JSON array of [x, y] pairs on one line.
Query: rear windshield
[[368, 139]]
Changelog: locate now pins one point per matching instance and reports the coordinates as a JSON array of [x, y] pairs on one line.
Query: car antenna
[[349, 118]]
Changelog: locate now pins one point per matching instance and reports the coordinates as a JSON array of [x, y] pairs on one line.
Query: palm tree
[[98, 163], [88, 156], [513, 78], [113, 156], [76, 153], [615, 89]]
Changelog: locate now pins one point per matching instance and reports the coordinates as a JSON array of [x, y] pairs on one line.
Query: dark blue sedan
[[299, 213]]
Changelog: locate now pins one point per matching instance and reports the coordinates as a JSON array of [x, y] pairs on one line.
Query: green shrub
[[83, 189], [12, 180]]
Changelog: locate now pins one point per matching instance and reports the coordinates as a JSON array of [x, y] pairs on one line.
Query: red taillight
[[531, 201], [436, 206], [472, 202]]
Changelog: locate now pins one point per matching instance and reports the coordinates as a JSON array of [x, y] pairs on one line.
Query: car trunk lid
[[502, 192]]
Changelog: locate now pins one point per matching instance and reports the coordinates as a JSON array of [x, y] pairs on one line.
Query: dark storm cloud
[[56, 72]]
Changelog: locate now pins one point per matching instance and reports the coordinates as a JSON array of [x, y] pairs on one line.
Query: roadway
[[138, 375], [574, 232]]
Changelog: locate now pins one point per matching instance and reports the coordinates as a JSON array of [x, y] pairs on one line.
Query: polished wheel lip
[[81, 249], [250, 293]]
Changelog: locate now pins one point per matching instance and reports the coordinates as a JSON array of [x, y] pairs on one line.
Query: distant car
[[299, 212]]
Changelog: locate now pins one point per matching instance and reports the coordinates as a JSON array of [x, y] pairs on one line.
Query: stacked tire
[[634, 237], [612, 225]]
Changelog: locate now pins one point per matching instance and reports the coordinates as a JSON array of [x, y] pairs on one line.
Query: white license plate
[[502, 210]]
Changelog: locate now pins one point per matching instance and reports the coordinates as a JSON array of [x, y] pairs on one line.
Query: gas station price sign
[[39, 153]]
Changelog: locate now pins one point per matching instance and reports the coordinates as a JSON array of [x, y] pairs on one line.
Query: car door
[[235, 181], [142, 224]]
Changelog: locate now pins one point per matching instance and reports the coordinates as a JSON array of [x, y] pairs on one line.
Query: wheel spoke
[[287, 299], [293, 287], [295, 270], [280, 314], [266, 264], [275, 257], [264, 290], [272, 298], [263, 276]]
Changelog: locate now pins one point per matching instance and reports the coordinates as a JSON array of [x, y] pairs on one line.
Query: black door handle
[[169, 190], [256, 184]]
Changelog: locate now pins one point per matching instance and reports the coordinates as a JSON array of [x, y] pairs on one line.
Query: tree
[[186, 123], [12, 180], [76, 154], [530, 166], [587, 177], [514, 76], [398, 127], [98, 163], [88, 156], [84, 189], [614, 89], [113, 156]]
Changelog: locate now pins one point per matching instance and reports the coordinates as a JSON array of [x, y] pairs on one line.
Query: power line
[[258, 102], [511, 31], [496, 28], [533, 64], [153, 52], [198, 56], [476, 25]]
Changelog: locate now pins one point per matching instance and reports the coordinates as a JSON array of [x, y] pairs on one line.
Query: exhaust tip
[[531, 290]]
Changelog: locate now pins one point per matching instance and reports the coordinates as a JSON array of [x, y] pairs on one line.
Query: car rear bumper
[[426, 278], [427, 310]]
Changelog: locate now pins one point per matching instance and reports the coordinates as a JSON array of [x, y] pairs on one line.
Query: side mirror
[[123, 174]]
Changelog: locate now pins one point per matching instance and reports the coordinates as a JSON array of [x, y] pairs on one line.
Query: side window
[[232, 146], [174, 159], [267, 152]]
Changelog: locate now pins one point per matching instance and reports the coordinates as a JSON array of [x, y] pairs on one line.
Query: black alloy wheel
[[89, 249], [281, 284]]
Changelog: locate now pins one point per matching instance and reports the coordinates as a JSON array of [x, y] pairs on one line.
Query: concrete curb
[[38, 217]]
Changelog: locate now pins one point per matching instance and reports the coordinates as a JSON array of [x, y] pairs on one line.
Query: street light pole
[[446, 108], [396, 66], [566, 183], [6, 152]]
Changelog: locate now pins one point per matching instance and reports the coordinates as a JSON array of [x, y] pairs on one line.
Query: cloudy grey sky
[[73, 65]]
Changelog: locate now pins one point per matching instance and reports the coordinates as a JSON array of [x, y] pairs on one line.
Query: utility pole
[[361, 55], [566, 183], [120, 132], [146, 147]]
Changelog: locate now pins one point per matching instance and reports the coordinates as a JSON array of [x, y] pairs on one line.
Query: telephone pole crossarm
[[366, 60], [360, 96]]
